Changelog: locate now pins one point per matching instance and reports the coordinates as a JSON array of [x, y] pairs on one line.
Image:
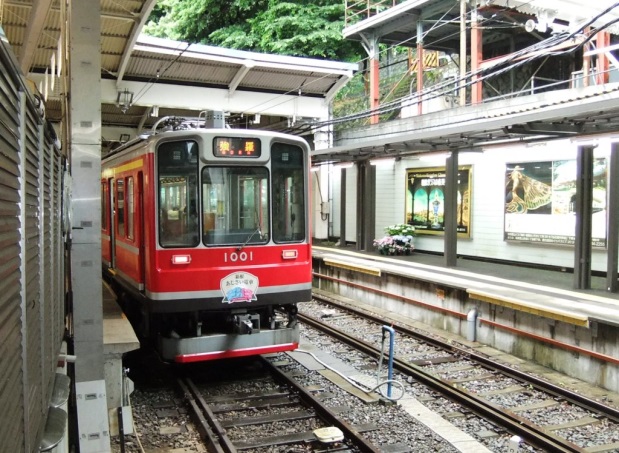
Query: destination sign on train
[[236, 147]]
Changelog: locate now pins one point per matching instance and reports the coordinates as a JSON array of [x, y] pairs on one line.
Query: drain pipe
[[391, 347], [471, 321]]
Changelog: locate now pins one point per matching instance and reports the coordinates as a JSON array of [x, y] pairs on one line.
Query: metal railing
[[358, 10]]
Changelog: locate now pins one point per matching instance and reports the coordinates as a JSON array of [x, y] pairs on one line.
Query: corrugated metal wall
[[11, 375], [31, 263]]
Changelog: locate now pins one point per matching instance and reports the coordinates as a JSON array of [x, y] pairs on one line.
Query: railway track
[[506, 396], [273, 411]]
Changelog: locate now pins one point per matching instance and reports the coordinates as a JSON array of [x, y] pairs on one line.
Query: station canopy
[[440, 19], [519, 117], [129, 58]]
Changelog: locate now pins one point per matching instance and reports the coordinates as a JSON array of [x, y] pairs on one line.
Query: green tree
[[194, 20], [311, 28]]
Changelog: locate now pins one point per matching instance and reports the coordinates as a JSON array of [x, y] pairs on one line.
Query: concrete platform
[[531, 313], [536, 291], [118, 339]]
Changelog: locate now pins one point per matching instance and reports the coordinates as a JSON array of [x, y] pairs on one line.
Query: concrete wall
[[600, 338]]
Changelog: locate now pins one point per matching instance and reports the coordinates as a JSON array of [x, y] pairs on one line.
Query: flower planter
[[398, 241]]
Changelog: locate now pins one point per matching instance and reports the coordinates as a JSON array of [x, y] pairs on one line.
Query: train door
[[140, 216], [110, 186]]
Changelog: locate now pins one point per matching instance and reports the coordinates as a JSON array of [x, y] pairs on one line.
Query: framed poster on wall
[[425, 200], [539, 202]]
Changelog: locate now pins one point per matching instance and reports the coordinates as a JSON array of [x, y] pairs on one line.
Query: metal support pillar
[[343, 208], [583, 208], [462, 52], [366, 206], [370, 44], [602, 40], [586, 59], [450, 213], [374, 84], [612, 231], [420, 67], [84, 27], [476, 57]]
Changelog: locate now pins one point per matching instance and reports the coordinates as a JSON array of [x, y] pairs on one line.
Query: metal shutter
[[11, 371], [37, 410]]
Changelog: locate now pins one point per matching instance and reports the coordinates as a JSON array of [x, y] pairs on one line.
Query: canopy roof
[[33, 28]]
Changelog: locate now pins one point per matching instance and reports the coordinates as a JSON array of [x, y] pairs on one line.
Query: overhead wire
[[468, 16], [149, 84], [256, 108], [438, 88], [469, 79]]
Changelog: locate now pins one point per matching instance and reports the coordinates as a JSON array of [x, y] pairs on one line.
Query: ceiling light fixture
[[124, 100]]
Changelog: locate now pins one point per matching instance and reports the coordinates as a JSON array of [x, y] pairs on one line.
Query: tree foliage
[[311, 28]]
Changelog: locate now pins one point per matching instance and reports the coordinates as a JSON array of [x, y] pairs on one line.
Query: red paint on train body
[[213, 248]]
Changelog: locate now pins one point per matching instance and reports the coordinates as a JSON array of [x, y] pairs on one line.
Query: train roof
[[178, 126]]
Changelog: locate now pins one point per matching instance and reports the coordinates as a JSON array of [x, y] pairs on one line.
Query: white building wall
[[351, 204], [488, 169], [336, 202], [389, 183], [320, 209]]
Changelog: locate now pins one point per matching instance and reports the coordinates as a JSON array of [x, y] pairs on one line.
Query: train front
[[232, 255]]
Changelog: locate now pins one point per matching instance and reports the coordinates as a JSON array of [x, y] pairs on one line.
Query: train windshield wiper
[[253, 233]]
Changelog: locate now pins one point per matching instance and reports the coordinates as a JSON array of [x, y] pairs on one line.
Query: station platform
[[523, 287], [531, 313], [118, 339]]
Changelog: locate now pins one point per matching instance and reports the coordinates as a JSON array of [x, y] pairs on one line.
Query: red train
[[207, 232]]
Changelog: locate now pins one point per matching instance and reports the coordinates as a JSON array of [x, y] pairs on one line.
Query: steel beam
[[450, 210], [343, 208], [612, 232], [584, 211]]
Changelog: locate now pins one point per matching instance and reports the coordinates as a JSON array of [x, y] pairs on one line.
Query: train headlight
[[289, 254], [181, 259]]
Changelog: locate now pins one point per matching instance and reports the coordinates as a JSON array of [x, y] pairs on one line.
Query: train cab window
[[177, 169], [287, 163], [235, 207], [120, 206]]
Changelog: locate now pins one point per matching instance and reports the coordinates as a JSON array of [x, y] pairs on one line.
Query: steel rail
[[324, 412], [213, 434], [533, 434], [575, 398]]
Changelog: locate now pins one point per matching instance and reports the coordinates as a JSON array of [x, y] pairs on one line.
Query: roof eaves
[[160, 45]]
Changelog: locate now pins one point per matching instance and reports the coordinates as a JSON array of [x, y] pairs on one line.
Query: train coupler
[[292, 315], [246, 324]]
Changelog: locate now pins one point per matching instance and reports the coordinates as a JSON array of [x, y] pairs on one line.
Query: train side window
[[177, 168], [130, 209], [120, 206], [287, 165], [104, 206]]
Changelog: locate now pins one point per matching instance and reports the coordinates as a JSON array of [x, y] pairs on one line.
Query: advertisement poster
[[539, 202], [425, 200]]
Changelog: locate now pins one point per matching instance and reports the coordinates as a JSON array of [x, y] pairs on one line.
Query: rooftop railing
[[358, 10]]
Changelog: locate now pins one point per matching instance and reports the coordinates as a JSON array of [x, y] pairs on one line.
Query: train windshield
[[177, 165], [288, 193], [235, 205]]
